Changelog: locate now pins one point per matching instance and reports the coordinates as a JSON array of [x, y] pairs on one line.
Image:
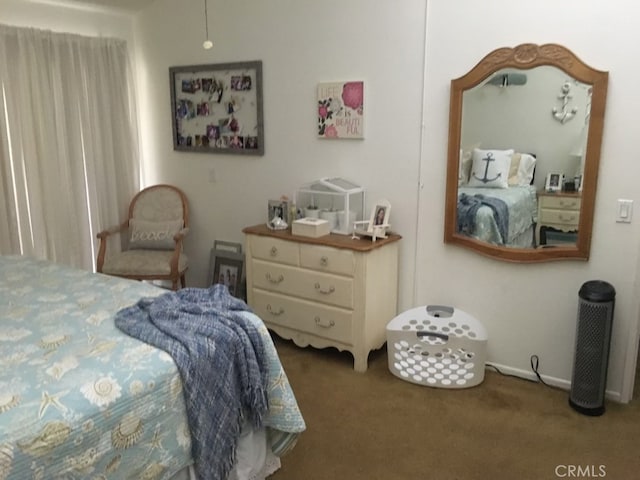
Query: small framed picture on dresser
[[278, 214], [554, 182]]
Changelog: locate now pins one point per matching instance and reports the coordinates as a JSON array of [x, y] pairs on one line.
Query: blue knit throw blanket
[[222, 362], [468, 207]]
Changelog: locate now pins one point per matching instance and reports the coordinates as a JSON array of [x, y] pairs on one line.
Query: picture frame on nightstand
[[554, 182]]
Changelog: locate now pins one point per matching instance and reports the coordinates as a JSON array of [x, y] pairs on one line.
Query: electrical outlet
[[212, 175]]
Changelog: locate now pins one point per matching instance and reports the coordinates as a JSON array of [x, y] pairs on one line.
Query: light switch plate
[[625, 211]]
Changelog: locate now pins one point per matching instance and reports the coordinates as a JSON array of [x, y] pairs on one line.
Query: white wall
[[532, 309], [300, 45]]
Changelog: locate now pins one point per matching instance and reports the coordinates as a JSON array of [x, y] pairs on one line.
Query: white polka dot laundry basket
[[437, 346]]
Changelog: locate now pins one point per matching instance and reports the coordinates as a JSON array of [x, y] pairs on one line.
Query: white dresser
[[560, 211], [331, 291]]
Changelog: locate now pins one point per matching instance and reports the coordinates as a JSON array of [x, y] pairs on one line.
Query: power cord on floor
[[535, 362]]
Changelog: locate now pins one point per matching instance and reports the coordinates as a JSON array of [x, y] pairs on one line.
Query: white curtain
[[68, 142]]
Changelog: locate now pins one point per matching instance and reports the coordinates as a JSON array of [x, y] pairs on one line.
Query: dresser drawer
[[317, 286], [274, 250], [308, 317], [560, 217], [325, 259], [560, 203]]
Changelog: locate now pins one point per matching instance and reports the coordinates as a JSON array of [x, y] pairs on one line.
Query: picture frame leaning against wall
[[227, 267]]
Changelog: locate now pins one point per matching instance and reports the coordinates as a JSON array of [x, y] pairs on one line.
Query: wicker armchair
[[151, 238]]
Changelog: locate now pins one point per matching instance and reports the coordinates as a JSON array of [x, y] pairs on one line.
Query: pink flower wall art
[[340, 110]]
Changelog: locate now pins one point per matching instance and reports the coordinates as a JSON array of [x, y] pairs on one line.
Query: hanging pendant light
[[208, 44]]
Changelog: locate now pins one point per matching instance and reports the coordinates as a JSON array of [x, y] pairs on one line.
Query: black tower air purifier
[[593, 337]]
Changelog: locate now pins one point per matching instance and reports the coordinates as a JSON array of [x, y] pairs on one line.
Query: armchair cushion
[[153, 235], [143, 263]]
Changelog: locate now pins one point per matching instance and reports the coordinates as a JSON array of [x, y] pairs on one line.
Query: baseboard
[[553, 381]]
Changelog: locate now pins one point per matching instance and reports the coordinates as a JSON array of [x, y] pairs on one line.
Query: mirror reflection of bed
[[497, 200], [519, 117]]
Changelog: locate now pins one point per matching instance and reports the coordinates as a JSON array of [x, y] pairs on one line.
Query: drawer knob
[[324, 292], [274, 313], [324, 261], [270, 279], [324, 325], [273, 252]]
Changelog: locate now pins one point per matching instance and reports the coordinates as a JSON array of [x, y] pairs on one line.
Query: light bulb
[[207, 44]]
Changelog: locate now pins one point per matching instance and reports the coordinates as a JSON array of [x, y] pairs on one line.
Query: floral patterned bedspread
[[81, 399], [522, 204]]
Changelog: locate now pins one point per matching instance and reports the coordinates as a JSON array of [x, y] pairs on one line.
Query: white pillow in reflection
[[490, 168]]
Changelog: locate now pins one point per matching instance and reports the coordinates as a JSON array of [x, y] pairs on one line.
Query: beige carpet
[[375, 426]]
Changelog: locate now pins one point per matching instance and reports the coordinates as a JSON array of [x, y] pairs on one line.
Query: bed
[[497, 202], [521, 207], [79, 398]]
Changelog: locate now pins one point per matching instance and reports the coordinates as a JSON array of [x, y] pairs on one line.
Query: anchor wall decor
[[565, 114]]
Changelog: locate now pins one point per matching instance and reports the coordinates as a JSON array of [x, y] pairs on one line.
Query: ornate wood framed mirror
[[525, 132]]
